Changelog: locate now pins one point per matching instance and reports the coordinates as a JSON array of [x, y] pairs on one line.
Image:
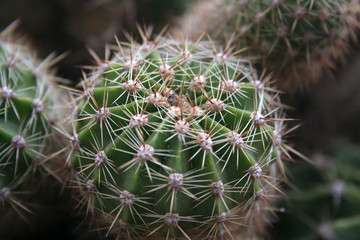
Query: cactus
[[298, 40], [178, 139], [27, 100], [326, 203]]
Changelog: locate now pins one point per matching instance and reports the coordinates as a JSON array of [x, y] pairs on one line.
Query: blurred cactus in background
[[325, 203], [28, 97], [30, 102], [298, 40]]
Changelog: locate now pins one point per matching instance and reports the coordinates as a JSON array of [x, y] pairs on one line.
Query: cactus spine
[[298, 40], [178, 139]]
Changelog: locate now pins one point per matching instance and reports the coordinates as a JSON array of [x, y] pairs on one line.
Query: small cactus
[[326, 203], [177, 139], [27, 100], [298, 40]]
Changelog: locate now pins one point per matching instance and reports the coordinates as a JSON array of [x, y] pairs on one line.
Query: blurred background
[[329, 112], [73, 25]]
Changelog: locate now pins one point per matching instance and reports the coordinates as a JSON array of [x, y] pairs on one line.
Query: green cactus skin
[[27, 99], [177, 139], [326, 203], [299, 40]]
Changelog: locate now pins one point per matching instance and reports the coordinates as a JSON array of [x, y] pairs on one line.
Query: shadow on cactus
[[298, 40], [178, 139]]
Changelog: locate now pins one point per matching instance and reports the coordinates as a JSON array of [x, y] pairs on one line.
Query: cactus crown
[[177, 138]]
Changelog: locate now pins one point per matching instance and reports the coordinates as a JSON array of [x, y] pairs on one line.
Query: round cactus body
[[177, 139], [298, 40]]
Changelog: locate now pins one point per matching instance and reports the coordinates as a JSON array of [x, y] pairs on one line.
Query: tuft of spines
[[179, 145], [298, 40]]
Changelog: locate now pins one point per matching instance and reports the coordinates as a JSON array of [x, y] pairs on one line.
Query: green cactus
[[326, 203], [177, 139], [299, 40], [27, 99]]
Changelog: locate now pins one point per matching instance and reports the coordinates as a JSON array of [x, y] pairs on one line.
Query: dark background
[[72, 26]]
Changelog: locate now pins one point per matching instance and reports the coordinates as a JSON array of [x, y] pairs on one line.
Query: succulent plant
[[27, 106], [298, 40], [326, 202], [178, 139]]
